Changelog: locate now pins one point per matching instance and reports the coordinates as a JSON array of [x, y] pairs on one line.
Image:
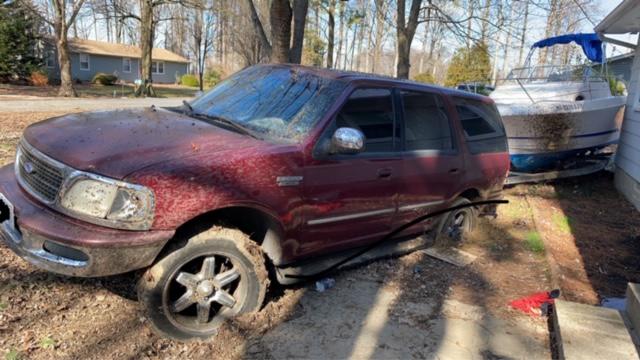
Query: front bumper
[[64, 245]]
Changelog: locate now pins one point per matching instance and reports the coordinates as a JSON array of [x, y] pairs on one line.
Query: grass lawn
[[163, 91], [96, 91]]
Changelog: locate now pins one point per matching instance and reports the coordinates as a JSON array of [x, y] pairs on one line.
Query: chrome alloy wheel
[[458, 225], [194, 299]]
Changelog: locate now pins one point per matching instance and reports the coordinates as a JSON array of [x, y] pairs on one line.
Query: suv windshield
[[278, 103]]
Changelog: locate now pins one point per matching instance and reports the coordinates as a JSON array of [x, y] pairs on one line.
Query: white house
[[625, 19]]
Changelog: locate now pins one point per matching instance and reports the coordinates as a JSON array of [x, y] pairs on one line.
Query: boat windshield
[[555, 73]]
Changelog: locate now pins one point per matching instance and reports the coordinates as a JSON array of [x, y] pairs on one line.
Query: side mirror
[[347, 141]]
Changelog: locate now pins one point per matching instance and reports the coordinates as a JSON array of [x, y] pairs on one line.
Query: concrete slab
[[633, 307], [591, 332]]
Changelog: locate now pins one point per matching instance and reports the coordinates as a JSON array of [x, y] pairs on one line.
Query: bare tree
[[331, 10], [201, 23], [381, 9], [406, 29], [523, 34]]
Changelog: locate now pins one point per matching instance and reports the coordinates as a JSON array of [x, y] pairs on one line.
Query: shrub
[[426, 78], [189, 80], [104, 79], [39, 78], [469, 65], [211, 78], [617, 87]]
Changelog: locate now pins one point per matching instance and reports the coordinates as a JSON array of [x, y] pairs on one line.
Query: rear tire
[[216, 275], [455, 225]]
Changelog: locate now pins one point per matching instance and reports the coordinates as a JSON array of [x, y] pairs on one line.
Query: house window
[[126, 65], [84, 61], [157, 67], [50, 59]]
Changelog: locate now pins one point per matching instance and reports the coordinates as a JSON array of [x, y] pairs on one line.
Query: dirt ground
[[578, 235]]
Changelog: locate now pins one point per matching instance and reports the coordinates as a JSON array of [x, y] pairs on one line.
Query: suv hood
[[118, 142]]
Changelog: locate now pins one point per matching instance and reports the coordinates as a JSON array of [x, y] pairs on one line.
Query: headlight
[[112, 203]]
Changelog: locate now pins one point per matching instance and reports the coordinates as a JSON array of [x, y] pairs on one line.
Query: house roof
[[625, 18], [120, 50]]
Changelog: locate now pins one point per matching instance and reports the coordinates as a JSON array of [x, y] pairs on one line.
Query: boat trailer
[[585, 167]]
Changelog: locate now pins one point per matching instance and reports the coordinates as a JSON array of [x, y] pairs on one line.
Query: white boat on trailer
[[557, 116]]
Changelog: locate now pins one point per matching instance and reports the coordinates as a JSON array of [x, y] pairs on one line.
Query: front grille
[[42, 178]]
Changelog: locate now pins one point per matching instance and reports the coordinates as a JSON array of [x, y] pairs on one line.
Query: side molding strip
[[350, 216], [420, 205], [372, 213]]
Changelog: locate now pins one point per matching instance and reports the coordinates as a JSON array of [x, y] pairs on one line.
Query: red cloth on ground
[[531, 304]]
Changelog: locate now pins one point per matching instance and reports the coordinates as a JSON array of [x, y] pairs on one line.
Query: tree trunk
[[406, 29], [353, 45], [332, 29], [259, 29], [340, 34], [280, 15], [507, 44], [66, 82], [61, 29], [380, 18], [523, 35], [485, 21], [300, 8], [402, 69], [146, 45], [470, 11], [542, 58]]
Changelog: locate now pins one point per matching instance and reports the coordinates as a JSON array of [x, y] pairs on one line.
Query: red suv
[[277, 168]]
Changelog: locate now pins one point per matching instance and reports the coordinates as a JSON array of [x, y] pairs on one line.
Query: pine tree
[[469, 64], [18, 39]]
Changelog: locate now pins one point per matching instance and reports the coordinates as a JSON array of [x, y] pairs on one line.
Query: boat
[[556, 115]]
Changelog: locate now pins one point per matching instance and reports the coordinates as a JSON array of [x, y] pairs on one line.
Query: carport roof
[[625, 18]]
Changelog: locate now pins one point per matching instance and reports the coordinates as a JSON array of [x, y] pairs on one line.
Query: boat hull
[[549, 135]]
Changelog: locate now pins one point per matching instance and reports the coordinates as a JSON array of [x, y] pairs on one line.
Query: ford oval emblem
[[29, 168]]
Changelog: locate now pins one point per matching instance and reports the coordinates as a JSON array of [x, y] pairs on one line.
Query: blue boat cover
[[591, 44]]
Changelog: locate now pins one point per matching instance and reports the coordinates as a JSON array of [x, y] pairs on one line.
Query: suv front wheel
[[218, 274]]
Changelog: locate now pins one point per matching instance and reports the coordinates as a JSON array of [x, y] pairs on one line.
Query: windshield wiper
[[187, 106], [239, 128]]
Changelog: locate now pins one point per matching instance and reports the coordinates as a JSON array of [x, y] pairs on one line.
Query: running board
[[593, 167], [393, 249]]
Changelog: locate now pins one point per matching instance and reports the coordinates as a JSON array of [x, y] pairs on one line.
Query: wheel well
[[470, 194], [260, 226]]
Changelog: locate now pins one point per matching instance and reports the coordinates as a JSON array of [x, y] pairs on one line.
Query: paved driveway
[[62, 104]]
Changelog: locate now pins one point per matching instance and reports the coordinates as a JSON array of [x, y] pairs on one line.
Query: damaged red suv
[[276, 171]]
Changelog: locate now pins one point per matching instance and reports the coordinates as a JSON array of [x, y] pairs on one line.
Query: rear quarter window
[[482, 126]]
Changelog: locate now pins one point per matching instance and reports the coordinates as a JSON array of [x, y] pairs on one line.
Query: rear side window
[[426, 122], [482, 126], [371, 111]]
